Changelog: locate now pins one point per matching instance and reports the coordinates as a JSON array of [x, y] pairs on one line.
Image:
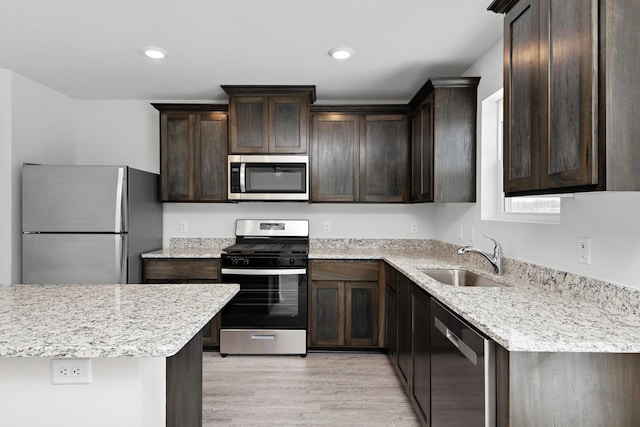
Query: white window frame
[[493, 204]]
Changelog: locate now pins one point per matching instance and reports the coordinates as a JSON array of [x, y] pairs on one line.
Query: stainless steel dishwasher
[[462, 373]]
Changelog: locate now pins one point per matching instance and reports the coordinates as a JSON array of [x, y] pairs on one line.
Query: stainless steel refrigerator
[[88, 224]]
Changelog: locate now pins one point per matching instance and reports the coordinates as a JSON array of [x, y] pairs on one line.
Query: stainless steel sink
[[457, 277]]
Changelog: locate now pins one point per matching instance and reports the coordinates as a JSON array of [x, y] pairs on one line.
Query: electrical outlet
[[584, 250], [71, 371], [327, 226], [184, 226], [471, 234], [413, 228]]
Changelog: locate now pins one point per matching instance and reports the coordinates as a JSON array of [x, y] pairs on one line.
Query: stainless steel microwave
[[270, 177]]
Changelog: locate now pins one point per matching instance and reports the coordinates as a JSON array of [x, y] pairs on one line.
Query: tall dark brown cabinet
[[443, 140], [193, 152], [571, 98]]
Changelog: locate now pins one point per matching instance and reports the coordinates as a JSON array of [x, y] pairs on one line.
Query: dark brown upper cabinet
[[359, 154], [269, 119], [193, 152], [570, 99], [443, 140]]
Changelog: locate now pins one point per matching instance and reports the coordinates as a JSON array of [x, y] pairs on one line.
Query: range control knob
[[245, 261]]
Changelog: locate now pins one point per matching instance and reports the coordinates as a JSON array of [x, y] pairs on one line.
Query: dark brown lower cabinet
[[407, 324], [391, 314], [403, 293], [343, 304], [420, 355], [187, 270]]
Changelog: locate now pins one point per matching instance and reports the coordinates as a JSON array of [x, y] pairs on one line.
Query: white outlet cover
[[584, 250], [71, 371]]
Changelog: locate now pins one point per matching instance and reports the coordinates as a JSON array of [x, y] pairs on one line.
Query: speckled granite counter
[[96, 321], [539, 309]]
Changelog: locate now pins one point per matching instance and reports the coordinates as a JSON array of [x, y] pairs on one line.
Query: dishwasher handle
[[456, 341]]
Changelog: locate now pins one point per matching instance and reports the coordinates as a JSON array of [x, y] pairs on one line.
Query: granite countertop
[[184, 253], [95, 321], [538, 309], [524, 317]]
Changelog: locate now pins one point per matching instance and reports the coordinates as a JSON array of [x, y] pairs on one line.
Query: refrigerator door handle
[[121, 257], [119, 190]]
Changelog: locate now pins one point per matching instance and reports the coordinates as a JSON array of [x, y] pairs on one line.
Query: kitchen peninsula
[[143, 343]]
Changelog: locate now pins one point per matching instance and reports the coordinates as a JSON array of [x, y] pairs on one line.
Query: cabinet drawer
[[344, 270], [181, 269]]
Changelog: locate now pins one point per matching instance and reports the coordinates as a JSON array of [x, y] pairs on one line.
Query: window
[[494, 205]]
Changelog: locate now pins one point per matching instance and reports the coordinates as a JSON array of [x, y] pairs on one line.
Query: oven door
[[268, 298]]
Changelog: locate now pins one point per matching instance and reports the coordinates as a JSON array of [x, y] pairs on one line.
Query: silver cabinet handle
[[263, 337], [263, 272], [456, 341]]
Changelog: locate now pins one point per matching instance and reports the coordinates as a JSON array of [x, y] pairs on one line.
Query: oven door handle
[[264, 272]]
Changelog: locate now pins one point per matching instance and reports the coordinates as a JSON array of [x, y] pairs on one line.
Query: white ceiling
[[91, 49]]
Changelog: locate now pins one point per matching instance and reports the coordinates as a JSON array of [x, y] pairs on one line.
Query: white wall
[[382, 221], [6, 241], [122, 132], [609, 219], [41, 129], [125, 392]]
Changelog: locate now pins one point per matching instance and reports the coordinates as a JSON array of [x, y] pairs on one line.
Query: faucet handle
[[497, 249]]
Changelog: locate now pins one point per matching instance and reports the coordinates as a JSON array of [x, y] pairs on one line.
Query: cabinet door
[[521, 96], [248, 124], [568, 107], [335, 158], [422, 153], [421, 372], [452, 137], [172, 270], [361, 323], [391, 323], [403, 293], [288, 124], [176, 156], [384, 159], [327, 313], [391, 314], [211, 157]]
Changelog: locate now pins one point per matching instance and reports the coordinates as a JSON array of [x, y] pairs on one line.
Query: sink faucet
[[495, 259]]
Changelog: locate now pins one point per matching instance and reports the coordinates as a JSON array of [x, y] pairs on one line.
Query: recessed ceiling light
[[155, 52], [341, 53]]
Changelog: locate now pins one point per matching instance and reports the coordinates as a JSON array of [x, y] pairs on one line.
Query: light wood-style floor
[[335, 389]]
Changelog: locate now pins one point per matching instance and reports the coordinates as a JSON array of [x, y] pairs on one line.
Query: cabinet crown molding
[[277, 90], [501, 6], [165, 107], [441, 82]]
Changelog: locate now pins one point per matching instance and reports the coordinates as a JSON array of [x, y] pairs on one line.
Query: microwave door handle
[[243, 188]]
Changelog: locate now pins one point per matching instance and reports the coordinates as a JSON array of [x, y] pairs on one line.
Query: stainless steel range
[[269, 315]]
